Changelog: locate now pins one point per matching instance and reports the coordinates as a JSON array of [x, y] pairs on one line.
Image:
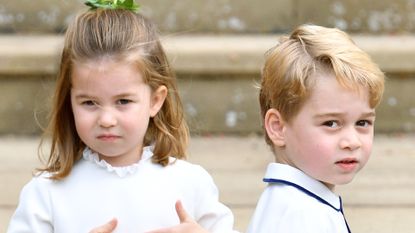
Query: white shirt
[[141, 196], [296, 203]]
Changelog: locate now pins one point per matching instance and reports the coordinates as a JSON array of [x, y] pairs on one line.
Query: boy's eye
[[123, 101], [331, 124], [364, 123]]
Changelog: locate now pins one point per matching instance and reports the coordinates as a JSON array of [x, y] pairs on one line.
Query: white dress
[[296, 203], [141, 196]]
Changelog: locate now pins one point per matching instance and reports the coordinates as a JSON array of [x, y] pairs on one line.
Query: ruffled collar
[[93, 157]]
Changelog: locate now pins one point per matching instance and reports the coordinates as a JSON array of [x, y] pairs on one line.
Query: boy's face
[[330, 139]]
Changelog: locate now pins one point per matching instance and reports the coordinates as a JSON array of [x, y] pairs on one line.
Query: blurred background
[[216, 48]]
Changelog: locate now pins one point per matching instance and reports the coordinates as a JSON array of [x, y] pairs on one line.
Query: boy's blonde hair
[[123, 36], [288, 73]]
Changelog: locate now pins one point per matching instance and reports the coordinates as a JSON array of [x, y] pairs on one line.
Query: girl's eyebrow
[[83, 96], [122, 95]]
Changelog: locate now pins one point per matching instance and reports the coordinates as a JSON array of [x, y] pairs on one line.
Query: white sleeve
[[210, 213], [33, 213]]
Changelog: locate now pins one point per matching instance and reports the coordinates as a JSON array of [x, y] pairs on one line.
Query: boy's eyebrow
[[337, 114], [369, 114]]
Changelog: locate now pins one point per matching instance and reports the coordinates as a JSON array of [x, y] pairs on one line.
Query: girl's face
[[112, 107], [330, 139]]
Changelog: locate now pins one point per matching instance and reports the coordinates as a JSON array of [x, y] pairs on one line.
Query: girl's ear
[[157, 100], [274, 125]]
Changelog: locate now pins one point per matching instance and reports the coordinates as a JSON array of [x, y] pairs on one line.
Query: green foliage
[[113, 4]]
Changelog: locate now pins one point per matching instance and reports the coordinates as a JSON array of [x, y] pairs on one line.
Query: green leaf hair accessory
[[113, 4]]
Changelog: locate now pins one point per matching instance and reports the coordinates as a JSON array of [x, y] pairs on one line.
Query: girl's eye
[[364, 123], [123, 101], [88, 103], [331, 124]]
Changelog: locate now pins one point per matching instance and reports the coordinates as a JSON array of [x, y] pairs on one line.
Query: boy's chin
[[332, 185]]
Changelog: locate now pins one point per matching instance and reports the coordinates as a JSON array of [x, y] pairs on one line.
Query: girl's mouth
[[108, 137]]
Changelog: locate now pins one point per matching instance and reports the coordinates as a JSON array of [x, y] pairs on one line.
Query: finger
[[106, 228], [181, 212]]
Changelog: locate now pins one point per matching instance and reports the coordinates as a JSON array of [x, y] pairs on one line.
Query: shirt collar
[[282, 173], [93, 157]]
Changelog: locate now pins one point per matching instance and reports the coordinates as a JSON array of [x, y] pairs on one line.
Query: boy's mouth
[[347, 161], [347, 164]]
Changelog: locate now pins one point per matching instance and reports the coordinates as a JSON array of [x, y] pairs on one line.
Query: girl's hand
[[187, 224], [106, 228]]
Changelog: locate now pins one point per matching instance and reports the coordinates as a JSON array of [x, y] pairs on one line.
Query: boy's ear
[[274, 125], [157, 100]]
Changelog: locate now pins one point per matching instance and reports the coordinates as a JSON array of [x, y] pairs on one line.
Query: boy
[[318, 97]]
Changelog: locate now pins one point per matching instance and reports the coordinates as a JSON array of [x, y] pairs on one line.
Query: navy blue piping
[[341, 210], [311, 194]]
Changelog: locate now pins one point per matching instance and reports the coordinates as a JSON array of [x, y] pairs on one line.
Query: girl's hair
[[290, 67], [124, 36]]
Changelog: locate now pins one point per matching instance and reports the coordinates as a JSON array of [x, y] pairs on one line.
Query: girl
[[117, 137]]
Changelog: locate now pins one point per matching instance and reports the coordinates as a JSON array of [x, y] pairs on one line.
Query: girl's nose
[[107, 118]]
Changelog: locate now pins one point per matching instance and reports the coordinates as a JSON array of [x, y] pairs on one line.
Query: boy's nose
[[107, 119], [350, 140]]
